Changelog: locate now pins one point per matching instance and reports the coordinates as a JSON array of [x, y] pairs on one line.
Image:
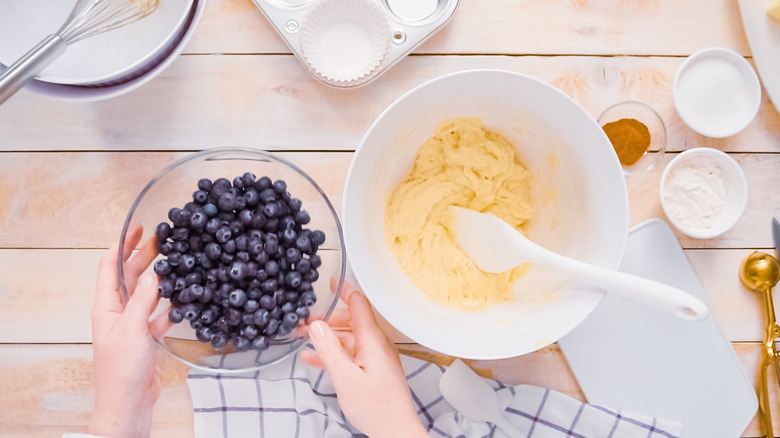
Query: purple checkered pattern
[[291, 399]]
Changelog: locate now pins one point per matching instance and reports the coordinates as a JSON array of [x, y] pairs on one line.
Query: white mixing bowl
[[579, 198]]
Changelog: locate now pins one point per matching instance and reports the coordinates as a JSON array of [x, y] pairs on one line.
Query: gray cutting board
[[632, 359]]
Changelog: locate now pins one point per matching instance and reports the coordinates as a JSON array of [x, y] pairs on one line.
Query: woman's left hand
[[126, 373]]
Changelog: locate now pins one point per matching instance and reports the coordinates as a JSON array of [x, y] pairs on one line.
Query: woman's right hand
[[366, 370]]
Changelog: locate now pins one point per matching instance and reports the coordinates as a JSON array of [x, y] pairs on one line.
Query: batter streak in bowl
[[466, 165]]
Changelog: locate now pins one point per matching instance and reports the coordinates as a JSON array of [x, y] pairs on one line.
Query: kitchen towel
[[293, 399]]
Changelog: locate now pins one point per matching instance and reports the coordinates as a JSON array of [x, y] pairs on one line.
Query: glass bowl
[[647, 115], [174, 187]]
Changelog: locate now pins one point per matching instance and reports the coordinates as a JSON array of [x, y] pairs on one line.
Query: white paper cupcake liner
[[344, 42]]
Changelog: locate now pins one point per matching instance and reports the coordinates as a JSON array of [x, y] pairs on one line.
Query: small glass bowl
[[173, 187], [645, 114]]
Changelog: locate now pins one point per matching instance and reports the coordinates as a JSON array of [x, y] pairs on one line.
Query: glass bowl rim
[[266, 156]]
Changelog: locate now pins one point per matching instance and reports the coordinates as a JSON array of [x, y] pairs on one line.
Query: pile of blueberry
[[238, 265]]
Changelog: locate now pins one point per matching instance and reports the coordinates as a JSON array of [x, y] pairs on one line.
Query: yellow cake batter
[[469, 166]]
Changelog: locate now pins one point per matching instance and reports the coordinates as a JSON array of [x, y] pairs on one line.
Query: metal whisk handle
[[33, 62]]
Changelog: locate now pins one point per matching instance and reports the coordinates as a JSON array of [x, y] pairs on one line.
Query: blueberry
[[302, 217], [212, 226], [291, 320], [295, 204], [196, 243], [193, 278], [223, 234], [179, 284], [237, 298], [165, 248], [230, 247], [241, 343], [175, 315], [236, 226], [261, 258], [208, 294], [245, 216], [180, 234], [243, 256], [289, 235], [312, 275], [227, 202], [222, 324], [246, 319], [303, 243], [172, 213], [226, 216], [198, 221], [279, 297], [303, 312], [234, 317], [251, 306], [280, 186], [293, 279], [237, 271], [162, 267], [188, 261], [267, 302], [271, 247], [303, 266], [213, 250], [263, 183], [258, 221], [308, 298], [271, 209], [210, 210], [272, 225], [241, 242], [290, 296], [200, 196], [282, 331], [226, 259], [204, 334], [254, 294], [272, 326], [276, 313], [252, 197], [267, 195], [260, 343], [260, 317], [317, 237], [182, 218], [248, 178], [204, 184], [315, 260], [292, 255], [288, 308], [190, 312], [162, 231], [165, 287], [251, 267], [219, 340], [254, 247], [196, 291], [249, 332], [190, 207], [271, 267], [238, 182], [181, 247]]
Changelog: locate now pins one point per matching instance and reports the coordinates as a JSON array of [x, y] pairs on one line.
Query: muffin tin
[[349, 43]]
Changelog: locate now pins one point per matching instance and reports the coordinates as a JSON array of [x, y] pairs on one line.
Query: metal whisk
[[88, 18]]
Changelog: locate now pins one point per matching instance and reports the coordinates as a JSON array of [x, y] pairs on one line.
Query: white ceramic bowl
[[95, 60], [580, 209], [716, 92], [145, 73], [733, 180]]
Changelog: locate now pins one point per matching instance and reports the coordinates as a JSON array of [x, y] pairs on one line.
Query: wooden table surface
[[70, 171]]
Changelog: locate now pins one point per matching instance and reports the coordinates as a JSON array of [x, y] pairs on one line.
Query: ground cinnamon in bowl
[[630, 138]]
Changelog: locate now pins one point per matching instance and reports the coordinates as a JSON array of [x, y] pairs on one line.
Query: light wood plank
[[80, 200], [200, 102], [656, 27], [47, 388], [54, 308]]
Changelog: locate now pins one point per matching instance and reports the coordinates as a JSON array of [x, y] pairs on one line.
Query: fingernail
[[146, 280], [317, 330]]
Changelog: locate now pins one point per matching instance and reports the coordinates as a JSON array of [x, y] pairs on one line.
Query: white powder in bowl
[[694, 193]]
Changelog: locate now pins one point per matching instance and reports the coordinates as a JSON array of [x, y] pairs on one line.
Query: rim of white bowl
[[724, 160], [748, 74]]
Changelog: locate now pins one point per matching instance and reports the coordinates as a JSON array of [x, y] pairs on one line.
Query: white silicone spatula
[[465, 391], [496, 247]]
